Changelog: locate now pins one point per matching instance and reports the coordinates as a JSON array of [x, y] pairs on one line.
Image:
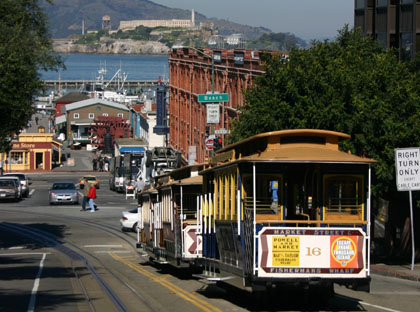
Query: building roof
[[94, 101], [60, 119], [72, 97], [129, 142]]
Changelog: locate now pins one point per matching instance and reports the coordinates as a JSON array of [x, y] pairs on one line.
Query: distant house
[[68, 99], [80, 117], [33, 151]]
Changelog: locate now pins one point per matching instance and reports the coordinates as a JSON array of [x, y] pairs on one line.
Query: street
[[63, 259]]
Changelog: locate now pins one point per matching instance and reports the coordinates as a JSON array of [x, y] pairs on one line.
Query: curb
[[387, 272]]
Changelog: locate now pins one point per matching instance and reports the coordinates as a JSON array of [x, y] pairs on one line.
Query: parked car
[[24, 181], [63, 193], [91, 179], [129, 220], [16, 180], [8, 189]]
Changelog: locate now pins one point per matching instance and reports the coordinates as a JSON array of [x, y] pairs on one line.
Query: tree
[[25, 48], [350, 85]]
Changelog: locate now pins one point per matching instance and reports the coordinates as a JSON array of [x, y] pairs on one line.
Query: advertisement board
[[315, 252]]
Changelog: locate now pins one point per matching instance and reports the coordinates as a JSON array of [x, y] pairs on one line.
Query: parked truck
[[116, 179]]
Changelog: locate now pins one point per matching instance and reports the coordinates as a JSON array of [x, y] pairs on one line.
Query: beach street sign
[[407, 168], [213, 97]]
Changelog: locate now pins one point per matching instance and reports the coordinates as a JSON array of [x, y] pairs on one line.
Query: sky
[[307, 19]]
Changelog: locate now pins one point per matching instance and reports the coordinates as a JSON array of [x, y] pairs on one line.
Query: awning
[[132, 149]]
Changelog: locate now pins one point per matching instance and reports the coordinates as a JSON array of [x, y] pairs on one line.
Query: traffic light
[[207, 131], [217, 143]]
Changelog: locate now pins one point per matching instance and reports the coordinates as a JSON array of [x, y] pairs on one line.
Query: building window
[[91, 115], [76, 116], [120, 115], [98, 108], [19, 158], [360, 4], [105, 114]]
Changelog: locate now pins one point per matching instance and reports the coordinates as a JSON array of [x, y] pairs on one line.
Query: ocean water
[[87, 66]]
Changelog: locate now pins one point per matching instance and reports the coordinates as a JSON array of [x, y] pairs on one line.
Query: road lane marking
[[36, 285], [400, 293], [113, 251], [26, 254], [368, 304], [203, 305], [101, 246]]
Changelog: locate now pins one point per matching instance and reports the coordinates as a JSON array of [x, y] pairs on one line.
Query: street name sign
[[407, 168], [213, 97], [222, 131]]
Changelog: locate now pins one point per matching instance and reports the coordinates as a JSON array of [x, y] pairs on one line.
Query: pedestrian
[[36, 119], [139, 185], [86, 189], [92, 196]]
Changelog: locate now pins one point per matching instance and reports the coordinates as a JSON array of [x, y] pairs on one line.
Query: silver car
[[24, 181], [63, 193], [16, 180], [8, 189]]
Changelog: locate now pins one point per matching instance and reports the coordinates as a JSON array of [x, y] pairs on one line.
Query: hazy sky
[[307, 19]]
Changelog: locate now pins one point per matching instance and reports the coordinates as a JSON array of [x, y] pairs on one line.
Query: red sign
[[209, 144]]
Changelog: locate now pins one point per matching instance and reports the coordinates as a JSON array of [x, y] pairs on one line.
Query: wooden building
[[33, 151]]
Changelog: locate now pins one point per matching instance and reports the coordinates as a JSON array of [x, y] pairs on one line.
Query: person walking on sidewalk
[[92, 196], [86, 189]]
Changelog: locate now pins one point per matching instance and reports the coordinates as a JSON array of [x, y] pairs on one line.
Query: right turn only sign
[[407, 168]]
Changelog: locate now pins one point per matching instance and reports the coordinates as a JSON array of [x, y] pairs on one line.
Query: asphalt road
[[67, 258]]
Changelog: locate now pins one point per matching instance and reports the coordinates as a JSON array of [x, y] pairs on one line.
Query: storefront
[[33, 151]]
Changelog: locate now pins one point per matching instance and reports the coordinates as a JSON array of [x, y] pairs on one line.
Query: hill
[[66, 16]]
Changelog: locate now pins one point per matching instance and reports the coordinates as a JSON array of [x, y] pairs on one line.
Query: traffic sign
[[407, 168], [213, 97], [222, 131], [209, 144], [212, 113]]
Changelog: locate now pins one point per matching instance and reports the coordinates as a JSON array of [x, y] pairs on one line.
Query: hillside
[[66, 16]]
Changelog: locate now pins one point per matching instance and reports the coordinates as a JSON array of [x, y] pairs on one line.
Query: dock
[[79, 84]]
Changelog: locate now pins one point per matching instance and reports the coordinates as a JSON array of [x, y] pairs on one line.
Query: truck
[[116, 179]]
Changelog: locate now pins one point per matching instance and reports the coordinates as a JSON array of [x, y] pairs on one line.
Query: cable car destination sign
[[407, 168]]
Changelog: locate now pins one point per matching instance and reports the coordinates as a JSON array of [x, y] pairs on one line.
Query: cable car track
[[75, 253]]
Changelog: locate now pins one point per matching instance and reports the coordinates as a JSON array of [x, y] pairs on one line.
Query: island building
[[174, 23], [194, 72], [394, 23], [106, 23]]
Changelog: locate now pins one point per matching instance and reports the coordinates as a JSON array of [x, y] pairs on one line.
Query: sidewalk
[[400, 271]]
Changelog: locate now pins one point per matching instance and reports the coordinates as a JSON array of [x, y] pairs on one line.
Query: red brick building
[[190, 74]]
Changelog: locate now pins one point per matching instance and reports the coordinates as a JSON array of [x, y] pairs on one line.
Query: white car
[[129, 220]]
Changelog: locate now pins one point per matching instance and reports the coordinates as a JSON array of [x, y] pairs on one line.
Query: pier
[[80, 84]]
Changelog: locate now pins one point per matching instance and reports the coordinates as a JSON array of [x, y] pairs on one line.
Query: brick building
[[190, 74]]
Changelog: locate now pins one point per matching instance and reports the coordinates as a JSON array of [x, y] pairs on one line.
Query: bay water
[[87, 66]]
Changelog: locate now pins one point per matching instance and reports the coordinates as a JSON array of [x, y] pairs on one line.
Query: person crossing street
[[86, 189], [92, 196]]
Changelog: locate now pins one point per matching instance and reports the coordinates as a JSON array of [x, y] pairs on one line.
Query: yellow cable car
[[287, 208]]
